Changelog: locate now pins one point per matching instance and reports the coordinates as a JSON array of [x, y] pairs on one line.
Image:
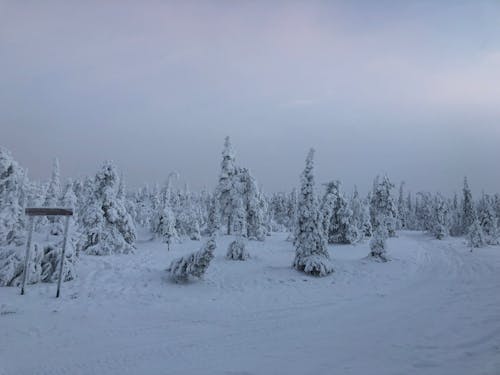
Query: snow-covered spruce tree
[[424, 211], [213, 221], [108, 227], [255, 206], [468, 211], [337, 216], [382, 204], [227, 191], [12, 180], [166, 222], [455, 218], [475, 235], [237, 250], [440, 218], [188, 217], [311, 255], [378, 242], [192, 265], [487, 219], [402, 209]]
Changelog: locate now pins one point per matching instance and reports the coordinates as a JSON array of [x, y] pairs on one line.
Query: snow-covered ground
[[434, 309]]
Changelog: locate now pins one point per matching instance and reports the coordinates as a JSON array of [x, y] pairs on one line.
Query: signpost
[[31, 212]]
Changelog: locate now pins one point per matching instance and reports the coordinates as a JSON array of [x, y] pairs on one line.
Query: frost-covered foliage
[[311, 255], [378, 242], [213, 220], [243, 207], [164, 222], [193, 265], [468, 210], [360, 216], [488, 219], [475, 235], [107, 226], [402, 220], [237, 250], [254, 205], [382, 204], [455, 218], [188, 217], [338, 221], [12, 197], [226, 191], [440, 224], [44, 263]]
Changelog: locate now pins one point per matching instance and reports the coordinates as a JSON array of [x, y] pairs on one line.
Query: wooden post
[[63, 255], [44, 211], [27, 257]]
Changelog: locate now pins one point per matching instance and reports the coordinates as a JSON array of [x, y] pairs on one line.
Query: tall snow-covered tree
[[108, 227], [382, 205], [227, 189], [311, 255]]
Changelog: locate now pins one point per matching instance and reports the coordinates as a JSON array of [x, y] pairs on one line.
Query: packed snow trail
[[434, 309]]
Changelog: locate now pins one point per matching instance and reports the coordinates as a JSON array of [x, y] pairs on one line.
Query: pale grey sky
[[407, 88]]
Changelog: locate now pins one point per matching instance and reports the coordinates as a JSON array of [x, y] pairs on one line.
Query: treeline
[[107, 215]]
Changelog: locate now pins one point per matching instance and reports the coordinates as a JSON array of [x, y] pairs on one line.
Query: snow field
[[433, 309]]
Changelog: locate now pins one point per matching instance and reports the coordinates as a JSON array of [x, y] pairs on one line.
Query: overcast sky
[[411, 89]]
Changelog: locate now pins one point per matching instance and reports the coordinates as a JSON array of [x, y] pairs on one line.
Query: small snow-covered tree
[[237, 250], [475, 235], [311, 255], [378, 242], [108, 227], [193, 265], [166, 223], [440, 226], [254, 204], [382, 204]]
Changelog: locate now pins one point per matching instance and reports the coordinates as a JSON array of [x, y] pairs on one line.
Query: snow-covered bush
[[45, 260], [237, 250], [192, 265], [311, 255]]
